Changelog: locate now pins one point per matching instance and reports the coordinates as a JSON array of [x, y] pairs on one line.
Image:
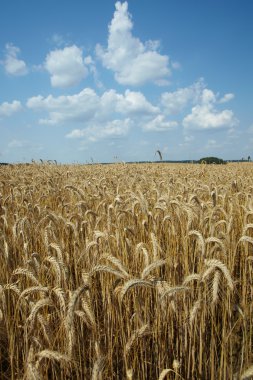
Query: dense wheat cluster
[[126, 272]]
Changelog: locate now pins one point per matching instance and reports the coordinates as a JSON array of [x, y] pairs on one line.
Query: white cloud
[[13, 65], [80, 107], [87, 105], [175, 102], [110, 114], [133, 102], [159, 124], [205, 116], [66, 66], [226, 98], [133, 62], [8, 109], [93, 70], [111, 129]]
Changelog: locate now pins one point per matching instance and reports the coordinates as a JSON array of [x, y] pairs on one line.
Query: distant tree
[[249, 159], [211, 160]]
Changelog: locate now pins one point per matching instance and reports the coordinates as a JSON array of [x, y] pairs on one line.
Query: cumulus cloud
[[11, 63], [159, 124], [135, 102], [175, 102], [111, 129], [98, 116], [66, 66], [80, 107], [226, 98], [131, 102], [133, 62], [205, 115], [90, 63], [8, 109], [87, 105]]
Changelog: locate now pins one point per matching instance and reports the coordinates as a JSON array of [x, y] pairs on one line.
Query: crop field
[[135, 272]]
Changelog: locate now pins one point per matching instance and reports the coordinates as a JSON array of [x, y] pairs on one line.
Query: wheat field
[[135, 272]]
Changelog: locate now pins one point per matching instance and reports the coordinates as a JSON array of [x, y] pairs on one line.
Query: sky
[[105, 81]]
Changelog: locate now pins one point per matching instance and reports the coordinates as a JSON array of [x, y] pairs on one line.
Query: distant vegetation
[[212, 160]]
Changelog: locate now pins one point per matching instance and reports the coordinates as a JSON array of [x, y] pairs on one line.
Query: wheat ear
[[38, 305], [218, 264], [139, 333], [152, 266], [164, 373], [176, 289], [133, 283], [117, 263], [247, 375], [86, 305], [141, 247], [33, 289], [246, 238], [72, 303], [194, 311], [191, 277], [215, 290], [98, 368], [53, 355], [27, 273], [107, 269], [213, 239], [246, 227], [201, 240]]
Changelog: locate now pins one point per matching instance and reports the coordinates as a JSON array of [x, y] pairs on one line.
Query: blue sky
[[108, 81]]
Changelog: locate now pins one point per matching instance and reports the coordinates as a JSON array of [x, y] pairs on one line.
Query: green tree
[[211, 160]]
